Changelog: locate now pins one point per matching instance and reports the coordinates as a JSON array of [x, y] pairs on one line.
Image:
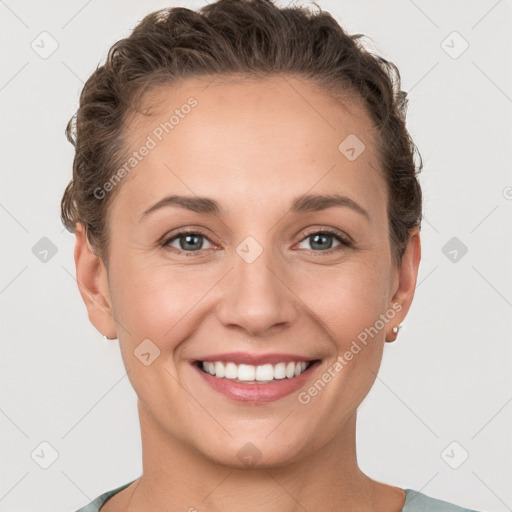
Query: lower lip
[[257, 392]]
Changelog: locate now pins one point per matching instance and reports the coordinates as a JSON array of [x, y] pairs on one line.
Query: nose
[[256, 297]]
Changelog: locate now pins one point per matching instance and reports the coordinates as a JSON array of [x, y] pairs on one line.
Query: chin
[[254, 451]]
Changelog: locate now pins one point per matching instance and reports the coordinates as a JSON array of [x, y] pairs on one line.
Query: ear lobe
[[91, 276], [407, 275]]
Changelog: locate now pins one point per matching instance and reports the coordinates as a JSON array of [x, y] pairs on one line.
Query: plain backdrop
[[438, 418]]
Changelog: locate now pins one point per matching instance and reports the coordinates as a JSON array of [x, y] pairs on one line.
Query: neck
[[327, 479]]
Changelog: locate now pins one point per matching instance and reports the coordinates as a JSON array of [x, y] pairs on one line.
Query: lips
[[253, 359], [255, 378]]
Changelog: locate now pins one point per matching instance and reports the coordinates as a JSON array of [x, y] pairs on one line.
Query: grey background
[[446, 379]]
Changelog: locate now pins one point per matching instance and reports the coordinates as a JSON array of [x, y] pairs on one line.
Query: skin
[[253, 146]]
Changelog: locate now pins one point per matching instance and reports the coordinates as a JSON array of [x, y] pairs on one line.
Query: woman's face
[[267, 276]]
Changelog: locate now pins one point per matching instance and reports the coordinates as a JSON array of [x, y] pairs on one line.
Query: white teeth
[[299, 368], [219, 370], [280, 371], [290, 370], [231, 371], [246, 372], [264, 372], [250, 373]]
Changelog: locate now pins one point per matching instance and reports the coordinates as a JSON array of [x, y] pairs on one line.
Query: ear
[[92, 279], [405, 282]]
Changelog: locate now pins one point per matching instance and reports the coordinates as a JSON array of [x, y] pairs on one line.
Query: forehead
[[265, 105], [257, 137]]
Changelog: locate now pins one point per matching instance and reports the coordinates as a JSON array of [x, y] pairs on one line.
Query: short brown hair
[[228, 37]]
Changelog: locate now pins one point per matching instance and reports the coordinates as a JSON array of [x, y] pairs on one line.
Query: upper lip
[[253, 359]]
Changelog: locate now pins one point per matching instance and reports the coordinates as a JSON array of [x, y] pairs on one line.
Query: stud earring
[[397, 328]]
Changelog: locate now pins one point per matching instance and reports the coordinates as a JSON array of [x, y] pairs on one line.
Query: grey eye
[[190, 242], [321, 241]]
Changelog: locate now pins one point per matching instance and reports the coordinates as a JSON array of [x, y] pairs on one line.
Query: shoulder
[[95, 504], [416, 501]]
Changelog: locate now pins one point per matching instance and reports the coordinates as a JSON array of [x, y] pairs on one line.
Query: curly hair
[[230, 37]]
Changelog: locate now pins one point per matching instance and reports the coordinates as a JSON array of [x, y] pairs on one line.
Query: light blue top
[[414, 502]]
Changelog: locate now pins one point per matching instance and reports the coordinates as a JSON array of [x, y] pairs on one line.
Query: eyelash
[[344, 242]]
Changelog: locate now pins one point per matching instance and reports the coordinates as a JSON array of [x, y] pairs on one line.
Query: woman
[[247, 211]]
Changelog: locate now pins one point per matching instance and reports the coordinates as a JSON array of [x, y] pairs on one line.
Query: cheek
[[348, 299], [159, 304], [154, 301]]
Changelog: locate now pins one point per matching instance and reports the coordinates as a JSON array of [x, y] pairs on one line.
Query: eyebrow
[[302, 204]]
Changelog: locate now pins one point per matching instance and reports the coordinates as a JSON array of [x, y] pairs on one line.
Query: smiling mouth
[[251, 374]]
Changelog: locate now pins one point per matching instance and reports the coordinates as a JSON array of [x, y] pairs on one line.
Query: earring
[[397, 328]]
